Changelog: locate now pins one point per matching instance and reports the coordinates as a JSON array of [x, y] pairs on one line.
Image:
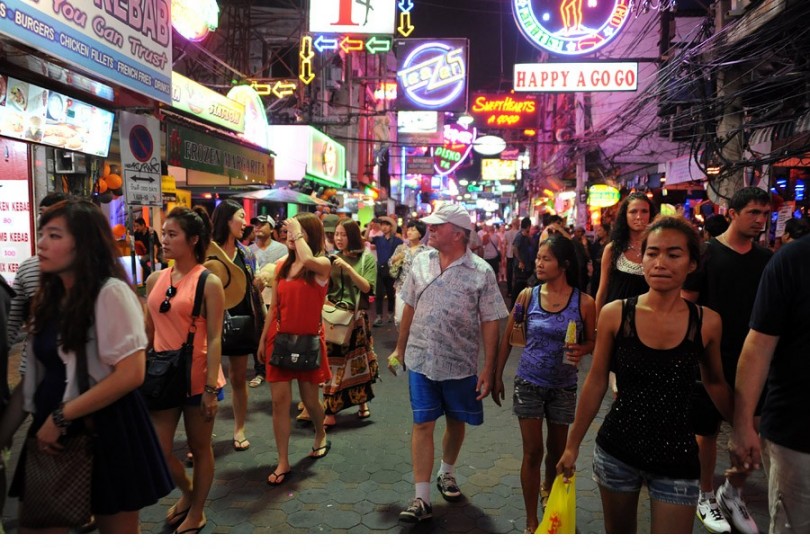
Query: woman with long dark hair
[[354, 366], [86, 317], [302, 279], [621, 274], [546, 379], [170, 296], [655, 343], [228, 226]]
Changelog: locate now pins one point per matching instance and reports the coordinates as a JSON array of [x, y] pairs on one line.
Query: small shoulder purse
[[297, 353], [519, 312]]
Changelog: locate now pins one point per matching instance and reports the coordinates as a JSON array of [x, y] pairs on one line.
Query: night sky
[[495, 42]]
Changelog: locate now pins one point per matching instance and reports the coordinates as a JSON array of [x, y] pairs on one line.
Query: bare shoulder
[[610, 316], [711, 319]]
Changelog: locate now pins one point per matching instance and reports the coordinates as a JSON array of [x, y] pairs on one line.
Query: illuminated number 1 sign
[[352, 16], [570, 27]]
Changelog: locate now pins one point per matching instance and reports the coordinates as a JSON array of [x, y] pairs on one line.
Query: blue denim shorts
[[557, 406], [455, 398], [618, 477]]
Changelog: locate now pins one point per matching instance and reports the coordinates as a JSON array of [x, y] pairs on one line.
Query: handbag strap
[[356, 303], [524, 298], [199, 293]]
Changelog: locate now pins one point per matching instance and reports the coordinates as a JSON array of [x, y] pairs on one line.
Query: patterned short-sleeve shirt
[[450, 306]]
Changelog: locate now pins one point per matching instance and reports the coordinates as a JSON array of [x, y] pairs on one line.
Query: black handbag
[[168, 373], [238, 334], [58, 487], [300, 353]]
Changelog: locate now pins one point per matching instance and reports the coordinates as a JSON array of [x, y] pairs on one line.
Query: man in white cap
[[452, 304]]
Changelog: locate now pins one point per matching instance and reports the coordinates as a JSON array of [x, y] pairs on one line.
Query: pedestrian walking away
[[384, 246], [452, 305]]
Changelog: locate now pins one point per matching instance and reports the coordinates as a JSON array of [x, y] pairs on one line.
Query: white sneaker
[[710, 515], [735, 510], [378, 321]]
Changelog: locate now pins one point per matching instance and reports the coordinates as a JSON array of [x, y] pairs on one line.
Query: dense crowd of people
[[688, 331]]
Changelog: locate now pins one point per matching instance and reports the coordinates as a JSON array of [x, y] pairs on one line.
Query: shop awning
[[282, 195], [774, 132]]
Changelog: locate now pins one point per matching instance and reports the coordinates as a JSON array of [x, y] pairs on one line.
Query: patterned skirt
[[354, 368]]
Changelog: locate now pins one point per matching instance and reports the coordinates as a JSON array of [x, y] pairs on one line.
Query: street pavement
[[366, 479]]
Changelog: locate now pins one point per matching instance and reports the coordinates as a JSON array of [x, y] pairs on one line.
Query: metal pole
[[582, 175]]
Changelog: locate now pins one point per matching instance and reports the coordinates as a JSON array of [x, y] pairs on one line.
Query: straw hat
[[233, 278]]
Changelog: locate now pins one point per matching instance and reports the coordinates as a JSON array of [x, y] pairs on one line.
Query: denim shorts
[[618, 477], [557, 406], [455, 398]]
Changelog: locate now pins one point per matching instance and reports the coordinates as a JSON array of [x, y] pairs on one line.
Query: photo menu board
[[35, 114]]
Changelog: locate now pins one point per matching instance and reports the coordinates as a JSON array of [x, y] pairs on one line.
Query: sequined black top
[[649, 425]]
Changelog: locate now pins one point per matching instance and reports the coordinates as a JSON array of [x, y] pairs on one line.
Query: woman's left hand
[[209, 405], [48, 437]]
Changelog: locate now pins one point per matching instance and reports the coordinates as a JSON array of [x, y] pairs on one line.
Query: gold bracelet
[[298, 237], [211, 389]]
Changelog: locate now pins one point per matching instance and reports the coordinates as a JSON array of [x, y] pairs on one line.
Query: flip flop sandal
[[239, 445], [315, 451], [280, 478], [175, 518]]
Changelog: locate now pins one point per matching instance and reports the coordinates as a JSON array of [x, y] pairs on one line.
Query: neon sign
[[352, 16], [504, 110], [255, 116], [195, 19], [456, 147], [602, 195], [305, 55], [432, 74], [576, 77], [570, 27]]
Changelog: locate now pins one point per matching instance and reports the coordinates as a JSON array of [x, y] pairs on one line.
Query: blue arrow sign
[[322, 43], [405, 6]]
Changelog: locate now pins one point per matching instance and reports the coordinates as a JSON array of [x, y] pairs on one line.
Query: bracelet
[[212, 390], [298, 236], [59, 418]]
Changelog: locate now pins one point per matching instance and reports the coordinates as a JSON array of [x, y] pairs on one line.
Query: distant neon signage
[[602, 195], [570, 27], [432, 74], [504, 110], [352, 16], [576, 77], [255, 116], [194, 19], [457, 144]]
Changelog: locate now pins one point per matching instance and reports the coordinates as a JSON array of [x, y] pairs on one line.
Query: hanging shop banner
[[327, 159], [683, 169], [620, 76], [198, 151], [498, 169], [419, 164], [432, 74], [204, 103], [140, 159], [128, 43], [456, 147], [15, 226], [352, 16], [42, 116], [495, 110], [602, 195], [570, 27]]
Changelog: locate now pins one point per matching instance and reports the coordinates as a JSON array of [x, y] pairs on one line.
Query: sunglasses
[[166, 305]]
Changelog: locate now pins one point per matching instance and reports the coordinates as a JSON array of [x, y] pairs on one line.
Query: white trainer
[[735, 510], [708, 512]]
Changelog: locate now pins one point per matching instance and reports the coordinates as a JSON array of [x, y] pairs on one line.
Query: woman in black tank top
[[655, 343]]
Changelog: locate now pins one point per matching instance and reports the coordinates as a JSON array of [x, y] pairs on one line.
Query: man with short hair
[[523, 251], [508, 239], [267, 251], [452, 304], [726, 281], [385, 246], [149, 252], [777, 348]]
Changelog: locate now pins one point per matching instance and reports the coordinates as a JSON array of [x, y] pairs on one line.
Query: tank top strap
[[695, 332], [628, 327]]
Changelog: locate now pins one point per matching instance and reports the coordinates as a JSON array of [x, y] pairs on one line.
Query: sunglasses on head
[[166, 305]]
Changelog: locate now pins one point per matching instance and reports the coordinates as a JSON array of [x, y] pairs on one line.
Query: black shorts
[[705, 416]]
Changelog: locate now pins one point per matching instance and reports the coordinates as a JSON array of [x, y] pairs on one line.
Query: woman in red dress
[[302, 279]]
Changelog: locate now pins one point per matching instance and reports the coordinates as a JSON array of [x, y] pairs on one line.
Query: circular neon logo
[[570, 27], [433, 75]]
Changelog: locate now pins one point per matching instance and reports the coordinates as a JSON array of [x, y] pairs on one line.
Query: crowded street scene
[[371, 267]]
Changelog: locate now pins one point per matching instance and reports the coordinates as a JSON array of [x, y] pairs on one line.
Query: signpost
[[140, 159]]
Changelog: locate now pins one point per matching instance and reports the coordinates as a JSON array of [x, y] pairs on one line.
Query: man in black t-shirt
[[727, 282], [146, 237], [778, 348]]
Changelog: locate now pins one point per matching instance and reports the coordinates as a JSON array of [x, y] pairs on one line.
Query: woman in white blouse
[[86, 308]]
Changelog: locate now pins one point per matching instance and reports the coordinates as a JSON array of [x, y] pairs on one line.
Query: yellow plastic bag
[[560, 515]]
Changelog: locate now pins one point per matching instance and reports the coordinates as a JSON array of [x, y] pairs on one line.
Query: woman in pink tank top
[[170, 300]]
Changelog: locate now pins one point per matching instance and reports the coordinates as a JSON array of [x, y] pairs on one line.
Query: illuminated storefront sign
[[105, 38], [494, 110], [35, 114], [456, 147], [255, 116], [570, 27], [194, 19], [432, 74], [417, 122], [352, 16], [576, 77], [304, 152], [206, 104], [498, 169], [327, 159], [489, 145], [305, 55], [602, 195], [386, 91]]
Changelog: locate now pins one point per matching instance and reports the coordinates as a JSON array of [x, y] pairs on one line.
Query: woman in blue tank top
[[546, 379], [655, 343]]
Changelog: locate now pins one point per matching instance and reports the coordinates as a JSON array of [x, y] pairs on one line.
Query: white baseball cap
[[453, 213]]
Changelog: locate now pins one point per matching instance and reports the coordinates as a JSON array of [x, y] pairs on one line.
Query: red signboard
[[497, 110]]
